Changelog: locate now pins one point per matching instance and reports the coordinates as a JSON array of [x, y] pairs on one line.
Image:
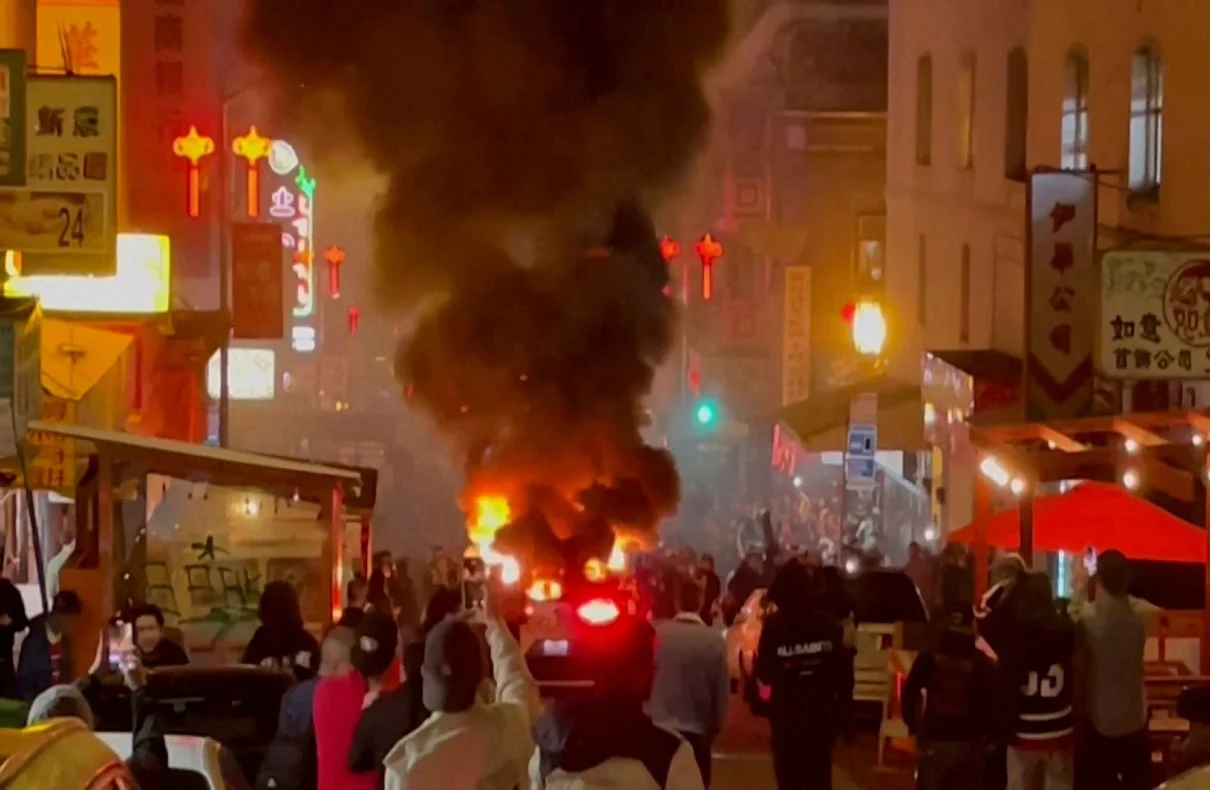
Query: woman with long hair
[[281, 641]]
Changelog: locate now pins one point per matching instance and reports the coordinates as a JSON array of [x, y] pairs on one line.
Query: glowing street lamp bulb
[[993, 471], [1017, 486], [930, 533], [1130, 479], [1131, 446], [869, 329], [798, 482], [1198, 440]]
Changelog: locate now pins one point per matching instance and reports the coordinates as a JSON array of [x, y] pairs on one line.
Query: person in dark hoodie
[[46, 652], [952, 704], [802, 658], [281, 642], [13, 621], [1034, 644], [291, 762], [390, 715], [605, 738]]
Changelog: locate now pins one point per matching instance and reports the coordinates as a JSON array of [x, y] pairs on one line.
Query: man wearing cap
[[46, 652], [1112, 636], [468, 744]]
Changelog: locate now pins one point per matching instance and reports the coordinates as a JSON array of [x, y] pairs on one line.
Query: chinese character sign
[[796, 336], [1061, 300], [89, 33], [257, 311], [290, 194], [1154, 321]]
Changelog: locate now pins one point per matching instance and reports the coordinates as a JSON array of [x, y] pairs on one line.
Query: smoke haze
[[523, 142]]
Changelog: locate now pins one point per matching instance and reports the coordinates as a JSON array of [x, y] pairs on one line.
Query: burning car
[[562, 613]]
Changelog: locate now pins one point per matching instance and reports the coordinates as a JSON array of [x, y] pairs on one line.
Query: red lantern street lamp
[[708, 251], [354, 319], [334, 256], [670, 249], [253, 148], [193, 147]]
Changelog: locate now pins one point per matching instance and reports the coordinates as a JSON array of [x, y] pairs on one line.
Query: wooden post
[[107, 562], [1025, 509], [1204, 647], [367, 545], [336, 538], [983, 514]]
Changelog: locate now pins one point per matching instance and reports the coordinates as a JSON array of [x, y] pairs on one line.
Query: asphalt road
[[742, 761]]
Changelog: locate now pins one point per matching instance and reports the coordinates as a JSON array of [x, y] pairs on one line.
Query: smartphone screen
[[474, 578], [121, 643]]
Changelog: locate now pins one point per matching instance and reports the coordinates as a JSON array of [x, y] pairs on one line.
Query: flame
[[489, 515], [596, 570], [545, 590]]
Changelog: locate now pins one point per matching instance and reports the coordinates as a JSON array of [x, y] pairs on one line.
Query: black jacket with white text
[[803, 659]]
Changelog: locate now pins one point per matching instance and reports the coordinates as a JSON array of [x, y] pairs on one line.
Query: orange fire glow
[[489, 514], [596, 570], [545, 590]]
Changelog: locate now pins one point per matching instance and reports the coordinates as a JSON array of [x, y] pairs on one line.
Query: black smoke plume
[[523, 142]]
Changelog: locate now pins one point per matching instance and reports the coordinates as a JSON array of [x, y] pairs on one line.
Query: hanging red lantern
[[334, 256], [708, 251], [354, 319], [671, 250]]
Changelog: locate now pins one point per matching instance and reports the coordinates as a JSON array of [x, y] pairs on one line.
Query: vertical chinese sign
[[52, 463], [291, 200], [1061, 296], [12, 117], [66, 212], [257, 309], [1153, 315], [796, 336]]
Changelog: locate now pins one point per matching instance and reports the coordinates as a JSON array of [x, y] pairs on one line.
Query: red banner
[[257, 295]]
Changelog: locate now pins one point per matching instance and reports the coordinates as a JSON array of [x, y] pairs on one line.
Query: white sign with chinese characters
[[64, 221], [796, 336], [1154, 321], [1060, 295]]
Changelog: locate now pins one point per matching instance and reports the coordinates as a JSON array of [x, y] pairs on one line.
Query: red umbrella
[[1102, 516]]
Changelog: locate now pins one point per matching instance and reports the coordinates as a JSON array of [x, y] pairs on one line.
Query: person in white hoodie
[[467, 743], [605, 739]]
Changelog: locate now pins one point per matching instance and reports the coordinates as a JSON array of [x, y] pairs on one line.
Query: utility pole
[[224, 281]]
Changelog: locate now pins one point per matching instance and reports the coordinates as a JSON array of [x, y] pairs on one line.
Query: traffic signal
[[705, 414]]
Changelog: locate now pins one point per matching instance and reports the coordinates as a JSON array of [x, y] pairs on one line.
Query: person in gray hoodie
[[1112, 637]]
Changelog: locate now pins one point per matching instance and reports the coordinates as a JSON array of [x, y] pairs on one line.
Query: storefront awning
[[75, 357], [821, 422], [213, 465]]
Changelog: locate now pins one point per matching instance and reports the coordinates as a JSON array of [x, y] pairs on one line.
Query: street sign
[[54, 222], [861, 466]]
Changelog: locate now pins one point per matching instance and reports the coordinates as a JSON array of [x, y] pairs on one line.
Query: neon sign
[[193, 147], [334, 256], [253, 148], [291, 201]]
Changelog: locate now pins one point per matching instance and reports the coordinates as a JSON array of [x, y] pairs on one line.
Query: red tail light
[[598, 612]]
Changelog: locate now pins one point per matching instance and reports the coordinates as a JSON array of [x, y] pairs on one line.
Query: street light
[[868, 326]]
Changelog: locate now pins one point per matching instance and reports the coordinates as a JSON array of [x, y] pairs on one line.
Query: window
[[169, 33], [1146, 120], [922, 280], [924, 110], [1016, 110], [1074, 155], [966, 112], [169, 78], [964, 321]]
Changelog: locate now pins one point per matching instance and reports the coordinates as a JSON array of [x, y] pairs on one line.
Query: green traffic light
[[705, 414]]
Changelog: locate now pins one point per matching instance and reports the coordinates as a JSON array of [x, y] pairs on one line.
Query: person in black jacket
[[281, 642], [952, 703], [1034, 645], [147, 622], [291, 762], [46, 652], [390, 716], [802, 658], [13, 621]]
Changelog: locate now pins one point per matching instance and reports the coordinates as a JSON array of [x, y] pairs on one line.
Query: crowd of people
[[1030, 695]]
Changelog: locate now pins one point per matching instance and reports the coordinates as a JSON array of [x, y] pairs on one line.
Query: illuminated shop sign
[[291, 201]]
